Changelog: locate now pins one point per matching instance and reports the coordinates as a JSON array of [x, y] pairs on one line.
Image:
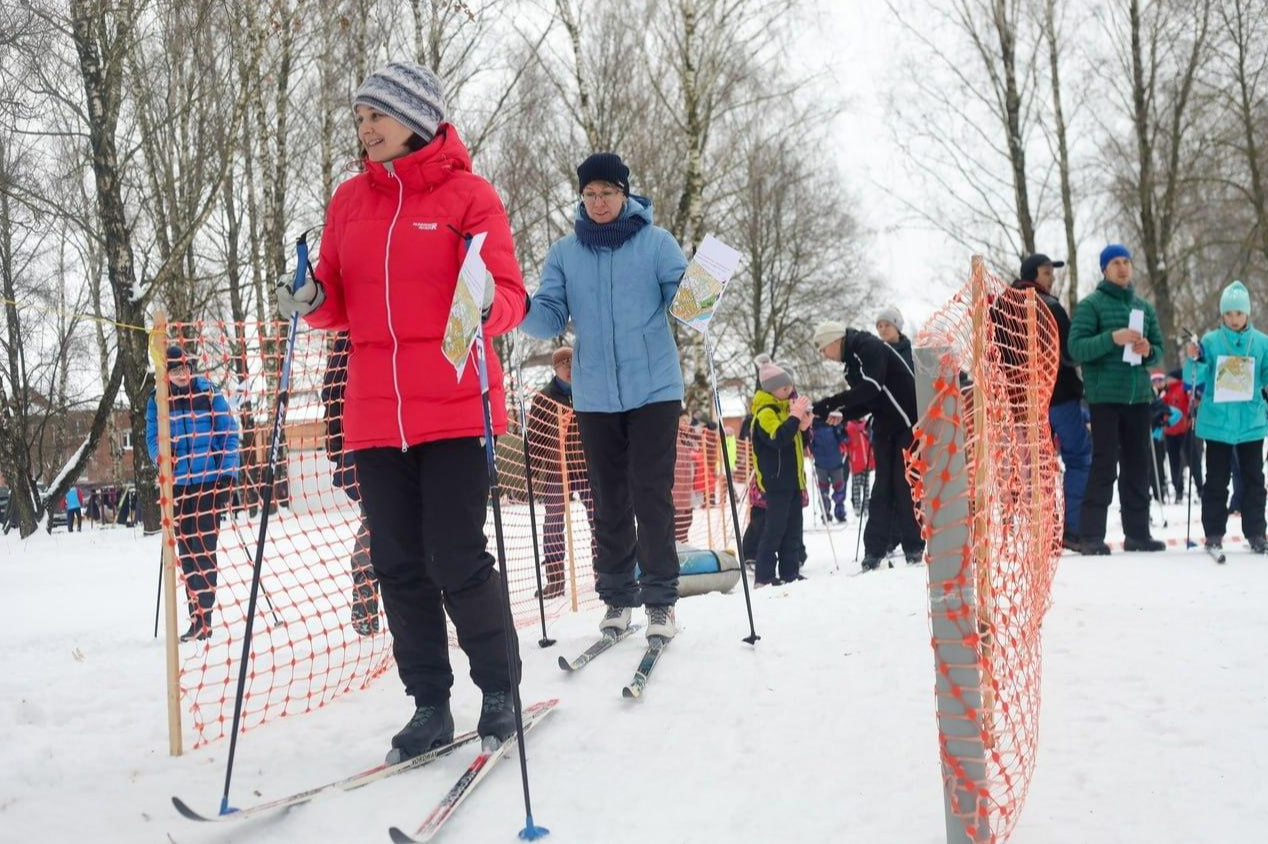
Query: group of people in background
[[1136, 413], [414, 434]]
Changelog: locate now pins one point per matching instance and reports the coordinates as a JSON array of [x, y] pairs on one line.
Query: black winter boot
[[497, 718], [1144, 543], [429, 728]]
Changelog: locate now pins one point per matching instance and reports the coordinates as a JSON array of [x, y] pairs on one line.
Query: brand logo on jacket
[[427, 227]]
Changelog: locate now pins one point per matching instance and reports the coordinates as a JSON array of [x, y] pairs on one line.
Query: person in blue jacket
[[205, 453], [614, 277], [826, 440], [74, 511], [1232, 359]]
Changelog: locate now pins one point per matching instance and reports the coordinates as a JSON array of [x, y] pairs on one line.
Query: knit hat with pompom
[[771, 375]]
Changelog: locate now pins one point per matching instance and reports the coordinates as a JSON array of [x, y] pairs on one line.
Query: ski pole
[[158, 599], [530, 831], [266, 503], [544, 641], [866, 511], [828, 525], [1153, 461], [752, 636]]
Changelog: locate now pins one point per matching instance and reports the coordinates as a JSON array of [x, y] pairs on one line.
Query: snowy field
[[1154, 725]]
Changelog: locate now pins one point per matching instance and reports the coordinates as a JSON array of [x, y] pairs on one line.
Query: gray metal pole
[[954, 663]]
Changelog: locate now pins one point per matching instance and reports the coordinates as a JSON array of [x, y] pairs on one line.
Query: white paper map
[[1234, 378], [464, 312], [1136, 322], [704, 283]]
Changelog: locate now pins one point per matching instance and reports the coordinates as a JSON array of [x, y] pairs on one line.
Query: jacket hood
[[432, 165], [635, 206], [763, 399]]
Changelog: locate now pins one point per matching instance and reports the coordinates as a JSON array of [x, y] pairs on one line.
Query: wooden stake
[[562, 427], [158, 352]]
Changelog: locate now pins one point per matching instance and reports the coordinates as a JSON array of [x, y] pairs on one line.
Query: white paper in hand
[[704, 283], [464, 312], [1136, 322]]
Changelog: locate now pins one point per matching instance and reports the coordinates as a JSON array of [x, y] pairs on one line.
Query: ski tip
[[629, 693], [399, 836], [564, 664], [183, 808], [532, 832]]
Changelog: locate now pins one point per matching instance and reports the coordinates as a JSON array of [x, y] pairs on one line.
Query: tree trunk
[[1063, 159], [97, 34], [1006, 30]]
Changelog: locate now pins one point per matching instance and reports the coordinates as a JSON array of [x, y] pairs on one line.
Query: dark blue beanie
[[1114, 250], [604, 167]]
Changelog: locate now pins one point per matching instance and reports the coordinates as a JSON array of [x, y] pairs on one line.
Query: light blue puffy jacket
[[1239, 421], [624, 355]]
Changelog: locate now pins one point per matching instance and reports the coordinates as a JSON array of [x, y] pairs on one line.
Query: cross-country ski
[[605, 642], [475, 773]]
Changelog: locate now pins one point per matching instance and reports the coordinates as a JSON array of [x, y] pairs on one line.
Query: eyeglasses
[[607, 196]]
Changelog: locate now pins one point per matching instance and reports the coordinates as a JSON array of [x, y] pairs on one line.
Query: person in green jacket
[[1233, 417], [1118, 395]]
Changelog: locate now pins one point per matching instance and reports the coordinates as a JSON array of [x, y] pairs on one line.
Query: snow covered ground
[[1154, 724]]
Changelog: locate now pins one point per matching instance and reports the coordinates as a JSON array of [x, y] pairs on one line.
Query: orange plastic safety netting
[[320, 630], [997, 353]]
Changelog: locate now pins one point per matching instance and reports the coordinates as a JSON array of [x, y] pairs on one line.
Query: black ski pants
[[426, 508], [631, 457], [1219, 466], [781, 535], [1120, 441], [890, 507], [1183, 451], [196, 540], [753, 533]]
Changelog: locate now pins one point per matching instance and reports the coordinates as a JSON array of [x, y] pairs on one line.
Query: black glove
[[224, 490], [824, 406]]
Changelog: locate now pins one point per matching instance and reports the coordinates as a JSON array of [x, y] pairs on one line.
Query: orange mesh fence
[[320, 631], [1000, 359]]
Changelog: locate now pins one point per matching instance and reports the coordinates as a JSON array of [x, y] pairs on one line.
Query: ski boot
[[199, 627], [660, 622], [1093, 548], [364, 621], [429, 728], [1258, 544], [615, 621], [915, 558], [1146, 543], [497, 719], [871, 563]]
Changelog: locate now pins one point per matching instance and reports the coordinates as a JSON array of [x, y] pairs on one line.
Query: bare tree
[[1155, 79], [973, 107], [1052, 36]]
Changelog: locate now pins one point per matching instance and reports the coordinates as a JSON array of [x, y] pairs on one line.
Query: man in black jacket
[[880, 383], [1065, 407]]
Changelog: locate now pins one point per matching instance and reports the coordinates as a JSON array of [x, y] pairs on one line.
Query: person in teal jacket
[[1118, 395], [1233, 417], [615, 278]]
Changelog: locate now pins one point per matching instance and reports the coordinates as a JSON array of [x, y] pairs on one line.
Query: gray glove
[[303, 301], [490, 287]]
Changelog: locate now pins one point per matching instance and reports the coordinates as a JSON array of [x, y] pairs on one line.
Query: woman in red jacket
[[394, 239]]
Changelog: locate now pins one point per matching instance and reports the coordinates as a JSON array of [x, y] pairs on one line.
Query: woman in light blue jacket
[[615, 278], [1232, 360]]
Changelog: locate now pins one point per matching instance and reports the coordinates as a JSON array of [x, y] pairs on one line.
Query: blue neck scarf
[[609, 235]]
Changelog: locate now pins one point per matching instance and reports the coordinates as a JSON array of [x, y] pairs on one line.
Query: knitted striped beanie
[[408, 93]]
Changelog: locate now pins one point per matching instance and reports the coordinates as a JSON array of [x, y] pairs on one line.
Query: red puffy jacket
[[858, 447], [390, 255], [1176, 396]]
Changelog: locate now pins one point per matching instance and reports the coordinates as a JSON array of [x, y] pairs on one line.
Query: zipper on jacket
[[387, 299]]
